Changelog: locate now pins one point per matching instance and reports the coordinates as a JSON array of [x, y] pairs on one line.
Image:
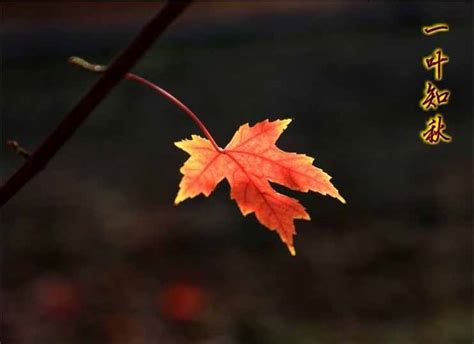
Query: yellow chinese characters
[[435, 28], [433, 97], [434, 131], [436, 61]]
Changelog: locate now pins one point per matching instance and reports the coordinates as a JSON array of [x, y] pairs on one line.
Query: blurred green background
[[93, 249]]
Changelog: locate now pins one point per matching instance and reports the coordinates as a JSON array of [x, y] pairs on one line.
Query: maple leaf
[[250, 162]]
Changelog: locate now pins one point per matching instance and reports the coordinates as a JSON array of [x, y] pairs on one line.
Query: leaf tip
[[341, 199], [286, 122], [179, 144], [292, 250], [179, 198]]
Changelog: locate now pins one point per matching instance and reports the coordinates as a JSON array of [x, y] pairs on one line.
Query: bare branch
[[79, 113]]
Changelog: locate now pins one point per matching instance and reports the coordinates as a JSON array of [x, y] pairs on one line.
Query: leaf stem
[[178, 103], [95, 68]]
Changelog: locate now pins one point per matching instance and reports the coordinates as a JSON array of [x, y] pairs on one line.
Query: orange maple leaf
[[249, 162]]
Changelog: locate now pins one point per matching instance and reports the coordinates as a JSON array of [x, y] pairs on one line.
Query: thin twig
[[109, 79], [91, 67], [95, 68], [18, 149]]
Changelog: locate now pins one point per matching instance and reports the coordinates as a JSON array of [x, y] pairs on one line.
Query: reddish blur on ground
[[57, 298], [181, 301]]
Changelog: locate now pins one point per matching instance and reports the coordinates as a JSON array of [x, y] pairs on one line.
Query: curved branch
[[79, 113]]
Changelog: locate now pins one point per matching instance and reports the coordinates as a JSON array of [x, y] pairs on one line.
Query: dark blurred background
[[93, 249]]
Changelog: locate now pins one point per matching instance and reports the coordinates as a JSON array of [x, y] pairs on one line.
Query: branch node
[[91, 67], [18, 149]]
